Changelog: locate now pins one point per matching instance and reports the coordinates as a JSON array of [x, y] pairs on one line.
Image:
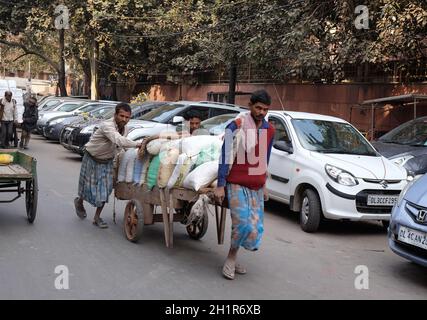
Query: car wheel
[[311, 211]]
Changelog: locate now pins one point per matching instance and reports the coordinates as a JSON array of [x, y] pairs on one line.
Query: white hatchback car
[[324, 168]]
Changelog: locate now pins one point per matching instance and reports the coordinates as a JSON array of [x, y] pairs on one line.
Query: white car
[[324, 168]]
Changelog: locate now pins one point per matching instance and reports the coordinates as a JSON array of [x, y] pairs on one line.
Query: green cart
[[20, 177]]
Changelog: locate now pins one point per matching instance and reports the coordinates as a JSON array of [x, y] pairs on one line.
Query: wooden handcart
[[20, 177], [175, 206]]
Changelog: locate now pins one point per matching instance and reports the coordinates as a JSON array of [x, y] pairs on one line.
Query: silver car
[[407, 233]]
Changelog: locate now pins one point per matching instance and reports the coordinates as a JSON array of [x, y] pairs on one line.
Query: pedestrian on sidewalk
[[96, 173], [242, 176], [8, 117], [29, 121]]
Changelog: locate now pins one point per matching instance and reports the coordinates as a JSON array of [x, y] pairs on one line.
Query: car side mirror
[[178, 119], [284, 146]]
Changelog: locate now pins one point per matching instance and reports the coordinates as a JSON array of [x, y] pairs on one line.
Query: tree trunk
[[94, 90], [114, 88], [61, 74], [233, 81]]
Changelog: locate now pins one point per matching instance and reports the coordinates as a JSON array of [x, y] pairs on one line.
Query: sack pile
[[172, 161]]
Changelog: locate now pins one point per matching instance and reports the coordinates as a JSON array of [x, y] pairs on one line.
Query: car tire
[[311, 211]]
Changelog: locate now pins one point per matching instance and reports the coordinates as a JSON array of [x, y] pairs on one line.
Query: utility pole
[[29, 77], [61, 77], [233, 81]]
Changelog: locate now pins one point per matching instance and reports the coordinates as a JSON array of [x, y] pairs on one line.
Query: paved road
[[102, 264]]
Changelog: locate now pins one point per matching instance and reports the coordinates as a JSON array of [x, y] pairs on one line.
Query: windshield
[[68, 107], [89, 107], [103, 112], [51, 105], [162, 114], [222, 120], [411, 133], [331, 137], [109, 114]]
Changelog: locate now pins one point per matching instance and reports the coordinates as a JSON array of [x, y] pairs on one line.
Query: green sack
[[211, 153], [153, 171]]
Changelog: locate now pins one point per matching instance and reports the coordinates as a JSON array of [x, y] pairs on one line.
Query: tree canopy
[[280, 40]]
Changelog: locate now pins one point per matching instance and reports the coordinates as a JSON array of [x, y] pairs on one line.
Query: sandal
[[80, 209], [228, 270], [240, 269], [100, 223]]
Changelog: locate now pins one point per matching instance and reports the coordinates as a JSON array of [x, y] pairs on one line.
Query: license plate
[[382, 200], [416, 238]]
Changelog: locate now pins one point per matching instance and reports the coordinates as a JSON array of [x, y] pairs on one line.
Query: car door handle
[[280, 179]]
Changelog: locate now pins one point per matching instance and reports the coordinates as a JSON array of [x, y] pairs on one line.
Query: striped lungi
[[247, 216], [96, 181]]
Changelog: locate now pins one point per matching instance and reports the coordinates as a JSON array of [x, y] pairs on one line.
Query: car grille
[[362, 201], [378, 181], [412, 209]]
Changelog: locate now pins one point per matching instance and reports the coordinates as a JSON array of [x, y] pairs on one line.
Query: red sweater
[[245, 174]]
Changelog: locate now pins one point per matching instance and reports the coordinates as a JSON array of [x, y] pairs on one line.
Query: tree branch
[[28, 51], [21, 56]]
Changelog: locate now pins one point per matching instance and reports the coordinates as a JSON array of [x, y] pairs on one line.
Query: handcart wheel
[[198, 229], [31, 196], [133, 220]]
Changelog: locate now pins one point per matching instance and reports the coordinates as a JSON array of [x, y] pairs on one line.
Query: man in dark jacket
[[29, 121]]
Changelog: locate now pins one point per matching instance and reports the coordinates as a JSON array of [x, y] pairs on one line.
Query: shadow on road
[[410, 271], [327, 226], [76, 158]]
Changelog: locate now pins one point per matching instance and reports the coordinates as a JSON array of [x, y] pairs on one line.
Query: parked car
[[169, 116], [324, 168], [62, 108], [54, 127], [406, 146], [52, 102], [73, 137], [70, 108], [407, 234]]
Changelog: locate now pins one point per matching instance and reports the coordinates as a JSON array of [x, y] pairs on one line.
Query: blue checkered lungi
[[247, 216], [96, 181]]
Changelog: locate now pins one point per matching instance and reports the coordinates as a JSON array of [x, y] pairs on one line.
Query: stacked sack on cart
[[171, 161]]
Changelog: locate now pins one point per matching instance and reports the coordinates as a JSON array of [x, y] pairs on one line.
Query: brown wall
[[335, 100]]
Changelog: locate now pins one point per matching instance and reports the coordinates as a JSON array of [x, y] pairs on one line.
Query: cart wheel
[[31, 196], [198, 229], [133, 220]]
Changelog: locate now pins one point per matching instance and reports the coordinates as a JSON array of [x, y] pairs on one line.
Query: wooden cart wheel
[[31, 196], [133, 220], [197, 230]]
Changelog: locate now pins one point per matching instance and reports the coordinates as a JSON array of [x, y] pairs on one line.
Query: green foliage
[[286, 40]]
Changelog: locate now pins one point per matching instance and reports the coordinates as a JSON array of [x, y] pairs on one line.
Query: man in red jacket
[[242, 173]]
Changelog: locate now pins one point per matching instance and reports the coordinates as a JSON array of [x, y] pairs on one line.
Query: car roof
[[307, 116], [210, 105]]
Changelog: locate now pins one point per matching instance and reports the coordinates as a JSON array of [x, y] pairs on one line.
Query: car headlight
[[88, 129], [401, 161], [406, 188], [341, 176]]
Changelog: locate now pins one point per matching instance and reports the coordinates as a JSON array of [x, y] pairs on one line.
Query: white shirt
[[10, 112], [106, 141]]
